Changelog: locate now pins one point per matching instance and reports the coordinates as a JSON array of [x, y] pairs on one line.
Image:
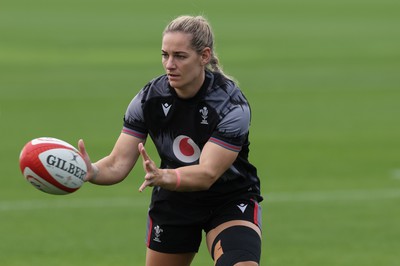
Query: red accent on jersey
[[134, 133], [226, 145], [185, 147]]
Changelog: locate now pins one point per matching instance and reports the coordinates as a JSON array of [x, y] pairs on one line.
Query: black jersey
[[180, 128]]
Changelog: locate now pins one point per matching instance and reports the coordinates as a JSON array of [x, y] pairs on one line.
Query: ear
[[206, 56]]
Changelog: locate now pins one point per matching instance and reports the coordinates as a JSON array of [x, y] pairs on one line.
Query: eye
[[164, 55], [179, 56]]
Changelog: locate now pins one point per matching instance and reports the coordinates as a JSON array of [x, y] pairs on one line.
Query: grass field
[[323, 79]]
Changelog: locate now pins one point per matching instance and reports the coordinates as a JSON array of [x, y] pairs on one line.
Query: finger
[[83, 152], [144, 185], [86, 158], [81, 147], [148, 181], [143, 152], [150, 167]]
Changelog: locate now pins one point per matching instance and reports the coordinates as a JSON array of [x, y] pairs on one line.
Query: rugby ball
[[52, 166]]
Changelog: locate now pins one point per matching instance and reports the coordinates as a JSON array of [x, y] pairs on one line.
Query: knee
[[237, 245]]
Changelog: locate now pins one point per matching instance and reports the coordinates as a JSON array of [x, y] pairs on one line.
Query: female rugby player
[[199, 121]]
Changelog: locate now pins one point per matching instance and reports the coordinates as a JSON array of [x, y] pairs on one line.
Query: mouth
[[173, 76]]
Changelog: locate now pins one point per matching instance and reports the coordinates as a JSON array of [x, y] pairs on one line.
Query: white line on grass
[[335, 195], [272, 197], [66, 203]]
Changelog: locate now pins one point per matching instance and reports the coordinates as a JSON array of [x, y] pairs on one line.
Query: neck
[[191, 89]]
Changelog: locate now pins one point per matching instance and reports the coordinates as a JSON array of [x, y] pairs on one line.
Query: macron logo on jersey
[[242, 207], [166, 107]]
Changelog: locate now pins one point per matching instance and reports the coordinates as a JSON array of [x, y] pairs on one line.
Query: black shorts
[[176, 220]]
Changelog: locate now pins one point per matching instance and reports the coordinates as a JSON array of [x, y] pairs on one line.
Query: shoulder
[[154, 88], [226, 88], [231, 105], [157, 86], [225, 94]]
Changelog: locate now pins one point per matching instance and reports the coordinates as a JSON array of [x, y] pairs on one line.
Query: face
[[183, 65]]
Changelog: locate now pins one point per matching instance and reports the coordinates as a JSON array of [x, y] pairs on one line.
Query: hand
[[86, 158], [153, 174]]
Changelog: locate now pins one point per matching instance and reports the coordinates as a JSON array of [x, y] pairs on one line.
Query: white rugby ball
[[52, 165]]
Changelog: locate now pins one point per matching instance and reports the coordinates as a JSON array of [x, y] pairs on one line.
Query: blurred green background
[[323, 79]]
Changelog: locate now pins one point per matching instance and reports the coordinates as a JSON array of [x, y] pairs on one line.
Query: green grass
[[323, 81]]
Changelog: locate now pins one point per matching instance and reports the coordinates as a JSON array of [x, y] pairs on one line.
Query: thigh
[[172, 239], [155, 258], [235, 243], [173, 225], [235, 230], [241, 208], [212, 234]]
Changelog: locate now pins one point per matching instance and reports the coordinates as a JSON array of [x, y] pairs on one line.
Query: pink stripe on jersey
[[134, 133], [226, 145]]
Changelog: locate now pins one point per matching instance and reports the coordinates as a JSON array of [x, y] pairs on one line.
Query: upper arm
[[216, 159], [222, 149]]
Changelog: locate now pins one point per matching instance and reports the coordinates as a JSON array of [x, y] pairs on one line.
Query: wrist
[[95, 170]]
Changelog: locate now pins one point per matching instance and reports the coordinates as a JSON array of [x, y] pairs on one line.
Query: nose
[[170, 64]]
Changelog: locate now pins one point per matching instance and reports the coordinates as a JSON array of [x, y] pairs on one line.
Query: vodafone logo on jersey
[[185, 149]]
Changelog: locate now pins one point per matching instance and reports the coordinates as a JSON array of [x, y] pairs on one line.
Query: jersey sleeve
[[232, 131], [134, 122]]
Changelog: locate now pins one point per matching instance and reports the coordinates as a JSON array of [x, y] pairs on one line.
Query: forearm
[[214, 161], [114, 167], [188, 178], [195, 178], [108, 172]]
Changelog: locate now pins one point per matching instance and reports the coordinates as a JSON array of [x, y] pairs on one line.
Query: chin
[[174, 84]]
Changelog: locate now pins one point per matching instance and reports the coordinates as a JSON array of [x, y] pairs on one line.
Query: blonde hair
[[202, 37]]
